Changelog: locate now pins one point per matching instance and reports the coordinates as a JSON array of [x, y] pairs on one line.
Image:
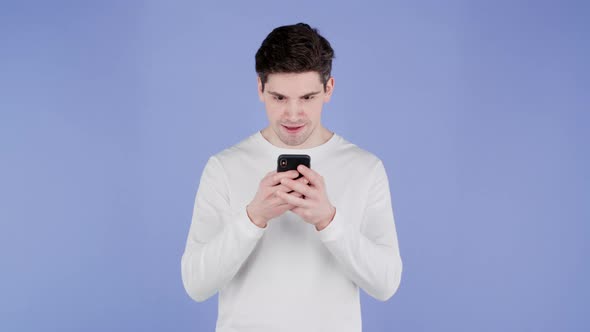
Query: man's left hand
[[314, 207]]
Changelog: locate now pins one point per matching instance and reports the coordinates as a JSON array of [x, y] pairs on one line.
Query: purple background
[[479, 110]]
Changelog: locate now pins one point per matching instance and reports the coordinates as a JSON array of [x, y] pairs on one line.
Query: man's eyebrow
[[311, 94], [275, 94], [305, 95]]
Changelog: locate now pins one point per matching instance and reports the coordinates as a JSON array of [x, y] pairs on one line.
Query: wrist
[[256, 221], [320, 226]]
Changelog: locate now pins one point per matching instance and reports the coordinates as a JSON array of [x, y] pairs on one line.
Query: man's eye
[[278, 98], [308, 97]]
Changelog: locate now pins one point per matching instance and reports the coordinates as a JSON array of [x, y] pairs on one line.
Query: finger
[[270, 192], [267, 178], [303, 180], [292, 174], [286, 190], [299, 187], [298, 211], [300, 202], [281, 187], [289, 190], [296, 194], [314, 178], [276, 201], [280, 203], [286, 207], [276, 178]]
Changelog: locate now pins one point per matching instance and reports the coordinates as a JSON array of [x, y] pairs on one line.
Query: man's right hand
[[266, 205]]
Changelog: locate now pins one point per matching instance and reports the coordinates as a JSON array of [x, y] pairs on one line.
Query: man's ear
[[329, 89], [260, 92]]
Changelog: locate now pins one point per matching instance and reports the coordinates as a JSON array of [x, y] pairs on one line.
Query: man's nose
[[293, 109]]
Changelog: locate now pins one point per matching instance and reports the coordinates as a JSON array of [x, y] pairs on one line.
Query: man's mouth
[[293, 129]]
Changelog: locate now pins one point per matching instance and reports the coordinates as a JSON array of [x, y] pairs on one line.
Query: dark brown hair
[[294, 49]]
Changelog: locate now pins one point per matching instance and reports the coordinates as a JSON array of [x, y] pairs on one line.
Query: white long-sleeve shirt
[[289, 276]]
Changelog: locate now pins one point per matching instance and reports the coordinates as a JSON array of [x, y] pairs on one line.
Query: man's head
[[294, 49], [294, 65]]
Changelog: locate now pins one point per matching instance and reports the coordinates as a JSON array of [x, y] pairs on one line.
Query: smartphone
[[287, 162]]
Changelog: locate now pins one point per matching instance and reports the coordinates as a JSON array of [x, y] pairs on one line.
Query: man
[[286, 254]]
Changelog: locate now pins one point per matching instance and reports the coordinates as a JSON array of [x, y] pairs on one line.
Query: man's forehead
[[294, 83]]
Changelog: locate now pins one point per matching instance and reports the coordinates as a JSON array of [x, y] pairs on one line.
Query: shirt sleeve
[[219, 239], [370, 255]]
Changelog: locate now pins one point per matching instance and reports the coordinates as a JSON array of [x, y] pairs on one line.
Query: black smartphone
[[287, 162]]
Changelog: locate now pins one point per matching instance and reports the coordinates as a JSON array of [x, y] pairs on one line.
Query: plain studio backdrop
[[479, 110]]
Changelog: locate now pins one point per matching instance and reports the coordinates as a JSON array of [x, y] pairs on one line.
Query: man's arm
[[219, 240], [369, 256]]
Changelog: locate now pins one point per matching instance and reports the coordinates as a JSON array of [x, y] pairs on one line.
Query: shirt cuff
[[246, 226], [334, 229]]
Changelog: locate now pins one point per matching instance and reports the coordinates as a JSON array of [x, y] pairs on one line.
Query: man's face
[[294, 104]]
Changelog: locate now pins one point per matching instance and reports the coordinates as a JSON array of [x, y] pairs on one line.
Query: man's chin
[[293, 140]]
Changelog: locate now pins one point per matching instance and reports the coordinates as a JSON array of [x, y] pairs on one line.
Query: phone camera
[[283, 162]]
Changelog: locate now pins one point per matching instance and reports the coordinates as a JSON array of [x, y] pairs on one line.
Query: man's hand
[[266, 204], [314, 207]]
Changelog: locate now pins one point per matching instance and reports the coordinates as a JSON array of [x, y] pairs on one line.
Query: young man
[[285, 254]]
